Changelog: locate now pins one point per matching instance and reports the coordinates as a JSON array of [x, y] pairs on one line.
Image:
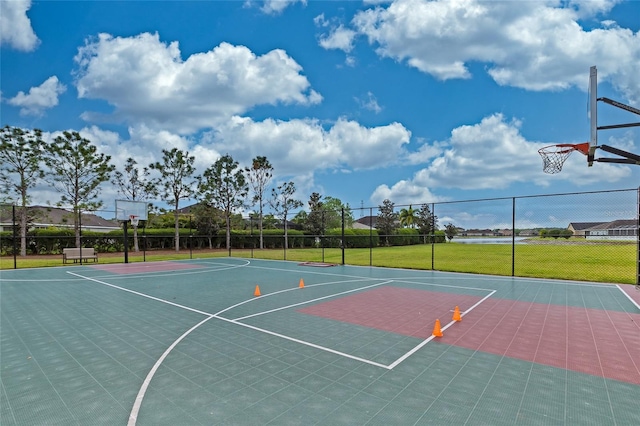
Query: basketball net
[[134, 220], [554, 156]]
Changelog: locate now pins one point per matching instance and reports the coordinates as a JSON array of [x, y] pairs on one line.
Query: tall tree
[[224, 186], [77, 170], [176, 182], [259, 175], [333, 208], [206, 219], [450, 231], [20, 156], [427, 222], [135, 185], [386, 222], [407, 217], [315, 218], [282, 203]]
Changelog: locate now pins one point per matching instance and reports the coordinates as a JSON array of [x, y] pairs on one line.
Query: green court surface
[[189, 343]]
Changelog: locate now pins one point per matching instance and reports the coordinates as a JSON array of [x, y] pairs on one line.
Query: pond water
[[488, 240]]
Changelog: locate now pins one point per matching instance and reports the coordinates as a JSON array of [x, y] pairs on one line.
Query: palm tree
[[408, 217]]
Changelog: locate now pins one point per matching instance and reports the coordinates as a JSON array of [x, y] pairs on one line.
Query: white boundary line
[[133, 416], [303, 342], [169, 273], [430, 338], [404, 280], [291, 289], [141, 294], [628, 297], [311, 301]]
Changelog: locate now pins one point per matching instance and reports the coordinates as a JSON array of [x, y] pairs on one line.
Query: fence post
[[125, 238], [322, 234], [13, 227], [433, 235], [513, 237], [370, 236], [342, 237], [80, 232]]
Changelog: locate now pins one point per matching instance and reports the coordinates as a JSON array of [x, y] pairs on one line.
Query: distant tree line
[[76, 170]]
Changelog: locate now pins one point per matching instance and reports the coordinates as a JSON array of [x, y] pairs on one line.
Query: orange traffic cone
[[257, 292], [437, 332], [301, 285], [456, 314]]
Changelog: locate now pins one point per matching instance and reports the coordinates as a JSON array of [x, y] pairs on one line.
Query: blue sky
[[414, 101]]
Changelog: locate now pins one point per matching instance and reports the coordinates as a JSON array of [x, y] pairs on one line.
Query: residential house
[[579, 228], [47, 217], [621, 229]]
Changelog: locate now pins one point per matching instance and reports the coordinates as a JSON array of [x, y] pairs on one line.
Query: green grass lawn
[[584, 262]]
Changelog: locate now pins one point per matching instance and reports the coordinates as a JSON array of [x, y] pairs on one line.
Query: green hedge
[[52, 241]]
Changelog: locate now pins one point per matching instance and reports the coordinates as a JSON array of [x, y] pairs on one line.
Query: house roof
[[369, 221], [579, 226], [616, 224], [46, 215]]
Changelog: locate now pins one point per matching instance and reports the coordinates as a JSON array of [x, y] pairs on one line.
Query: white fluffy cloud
[[147, 81], [15, 26], [298, 147], [535, 46], [339, 38], [39, 98], [491, 154], [274, 7]]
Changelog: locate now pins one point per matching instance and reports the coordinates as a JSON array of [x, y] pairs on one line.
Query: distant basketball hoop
[[134, 219]]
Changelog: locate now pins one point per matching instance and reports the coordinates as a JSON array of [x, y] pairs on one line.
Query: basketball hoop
[[134, 220], [554, 156]]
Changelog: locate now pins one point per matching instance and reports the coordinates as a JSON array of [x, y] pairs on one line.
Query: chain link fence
[[586, 236]]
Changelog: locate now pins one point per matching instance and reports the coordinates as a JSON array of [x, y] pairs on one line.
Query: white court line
[[174, 273], [133, 416], [303, 342], [479, 302], [405, 280], [311, 301], [291, 289], [141, 294], [629, 297], [168, 273], [430, 338]]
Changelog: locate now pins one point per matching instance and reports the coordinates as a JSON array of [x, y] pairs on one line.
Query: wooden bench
[[76, 254]]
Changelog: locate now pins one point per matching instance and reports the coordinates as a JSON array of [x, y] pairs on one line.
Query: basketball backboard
[[127, 208]]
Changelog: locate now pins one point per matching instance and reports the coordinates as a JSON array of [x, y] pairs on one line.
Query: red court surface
[[399, 310], [592, 341], [597, 342], [137, 268]]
